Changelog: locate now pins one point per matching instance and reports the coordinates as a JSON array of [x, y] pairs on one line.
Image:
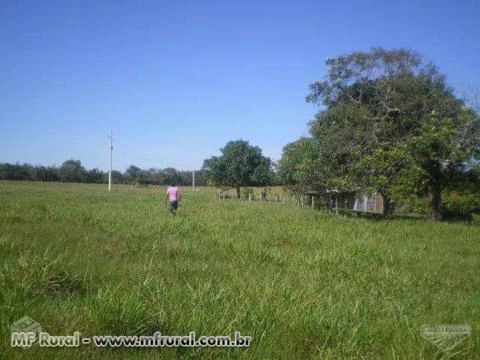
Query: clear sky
[[176, 80]]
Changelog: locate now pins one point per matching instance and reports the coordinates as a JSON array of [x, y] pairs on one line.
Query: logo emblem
[[25, 332], [445, 337]]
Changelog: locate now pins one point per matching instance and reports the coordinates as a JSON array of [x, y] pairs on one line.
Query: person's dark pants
[[173, 206]]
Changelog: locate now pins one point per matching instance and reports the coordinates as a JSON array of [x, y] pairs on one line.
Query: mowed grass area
[[302, 283]]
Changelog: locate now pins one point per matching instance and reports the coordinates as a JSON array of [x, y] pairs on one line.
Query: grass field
[[301, 283]]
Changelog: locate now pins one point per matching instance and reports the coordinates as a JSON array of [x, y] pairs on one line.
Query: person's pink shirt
[[172, 192]]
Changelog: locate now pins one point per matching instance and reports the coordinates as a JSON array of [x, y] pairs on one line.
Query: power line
[[142, 158], [175, 164], [154, 161]]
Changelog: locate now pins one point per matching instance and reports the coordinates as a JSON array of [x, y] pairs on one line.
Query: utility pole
[[193, 179], [110, 171]]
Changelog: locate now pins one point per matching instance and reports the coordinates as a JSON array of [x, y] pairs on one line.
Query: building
[[333, 199]]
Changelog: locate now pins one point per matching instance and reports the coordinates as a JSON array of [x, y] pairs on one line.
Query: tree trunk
[[434, 198], [238, 192], [388, 207]]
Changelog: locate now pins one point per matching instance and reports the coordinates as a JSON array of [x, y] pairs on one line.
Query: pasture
[[302, 283]]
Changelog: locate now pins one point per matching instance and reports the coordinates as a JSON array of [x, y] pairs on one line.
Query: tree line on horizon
[[73, 171], [387, 123]]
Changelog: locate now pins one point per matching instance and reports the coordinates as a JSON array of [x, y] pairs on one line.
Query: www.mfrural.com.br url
[[44, 339]]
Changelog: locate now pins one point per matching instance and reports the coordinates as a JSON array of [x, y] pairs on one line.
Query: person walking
[[173, 198]]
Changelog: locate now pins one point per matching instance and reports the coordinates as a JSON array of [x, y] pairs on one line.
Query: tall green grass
[[303, 284]]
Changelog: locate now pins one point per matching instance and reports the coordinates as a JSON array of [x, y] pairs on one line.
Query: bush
[[459, 206]]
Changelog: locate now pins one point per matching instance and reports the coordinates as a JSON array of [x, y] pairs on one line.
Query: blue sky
[[176, 80]]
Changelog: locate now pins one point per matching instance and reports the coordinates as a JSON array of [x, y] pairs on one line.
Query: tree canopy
[[388, 122], [299, 167], [239, 165], [73, 171]]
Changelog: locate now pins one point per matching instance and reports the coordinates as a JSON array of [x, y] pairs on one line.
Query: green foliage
[[391, 124], [392, 172], [72, 171], [298, 167], [446, 141], [28, 172], [457, 205], [239, 165], [94, 176], [133, 174]]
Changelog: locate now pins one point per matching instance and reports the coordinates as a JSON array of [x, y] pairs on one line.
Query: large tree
[[390, 123], [239, 165], [72, 171], [133, 174]]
